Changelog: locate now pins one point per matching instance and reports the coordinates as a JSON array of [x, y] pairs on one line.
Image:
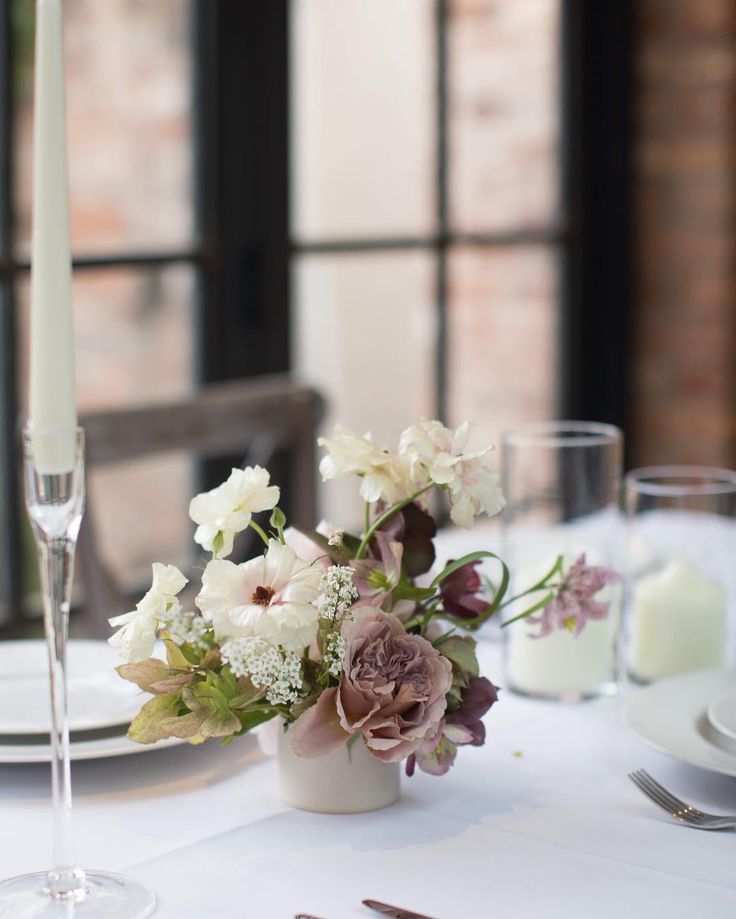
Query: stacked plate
[[691, 717], [101, 704]]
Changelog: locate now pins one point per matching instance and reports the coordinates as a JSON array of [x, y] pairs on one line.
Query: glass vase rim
[[703, 480], [563, 434]]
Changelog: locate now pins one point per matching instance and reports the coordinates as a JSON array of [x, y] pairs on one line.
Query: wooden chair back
[[253, 418]]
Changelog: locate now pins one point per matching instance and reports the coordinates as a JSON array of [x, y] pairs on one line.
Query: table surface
[[541, 822]]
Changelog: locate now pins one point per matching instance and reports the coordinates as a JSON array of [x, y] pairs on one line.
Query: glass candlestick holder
[[562, 483], [681, 573], [53, 466]]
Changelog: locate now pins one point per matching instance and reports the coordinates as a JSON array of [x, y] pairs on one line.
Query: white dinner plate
[[98, 696], [671, 716], [722, 715], [81, 749]]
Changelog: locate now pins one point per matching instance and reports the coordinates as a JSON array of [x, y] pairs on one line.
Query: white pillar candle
[[678, 623], [563, 664], [52, 405]]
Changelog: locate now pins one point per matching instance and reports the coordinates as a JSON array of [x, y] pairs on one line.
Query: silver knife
[[394, 911]]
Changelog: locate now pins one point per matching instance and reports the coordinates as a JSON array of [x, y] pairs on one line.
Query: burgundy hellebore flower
[[574, 605], [462, 727], [459, 592], [415, 528]]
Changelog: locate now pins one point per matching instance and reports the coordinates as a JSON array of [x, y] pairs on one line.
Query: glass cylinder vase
[[562, 484], [681, 570]]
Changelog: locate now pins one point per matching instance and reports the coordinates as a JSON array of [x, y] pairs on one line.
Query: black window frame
[[243, 248]]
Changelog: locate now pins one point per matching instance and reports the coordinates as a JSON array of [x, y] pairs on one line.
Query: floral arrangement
[[345, 637]]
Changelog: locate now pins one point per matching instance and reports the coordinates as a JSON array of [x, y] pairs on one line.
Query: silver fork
[[678, 809]]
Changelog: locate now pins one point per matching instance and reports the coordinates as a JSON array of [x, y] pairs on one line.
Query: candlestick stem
[[57, 559], [55, 504]]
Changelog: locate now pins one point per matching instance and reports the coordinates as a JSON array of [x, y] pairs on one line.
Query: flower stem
[[260, 531], [387, 515]]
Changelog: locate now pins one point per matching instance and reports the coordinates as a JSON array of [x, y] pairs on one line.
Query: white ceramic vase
[[346, 781]]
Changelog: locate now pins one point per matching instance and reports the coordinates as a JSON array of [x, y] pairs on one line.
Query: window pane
[[129, 120], [362, 88], [503, 338], [135, 344], [504, 122], [134, 333], [364, 334]]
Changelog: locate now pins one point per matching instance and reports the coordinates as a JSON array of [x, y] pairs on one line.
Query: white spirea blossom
[[185, 627], [268, 667], [228, 509], [385, 475], [334, 653], [137, 633], [437, 453], [337, 593], [336, 538]]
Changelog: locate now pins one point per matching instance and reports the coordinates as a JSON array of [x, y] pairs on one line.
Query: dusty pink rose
[[392, 690]]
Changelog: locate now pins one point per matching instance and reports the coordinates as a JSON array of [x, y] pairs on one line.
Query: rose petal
[[318, 730]]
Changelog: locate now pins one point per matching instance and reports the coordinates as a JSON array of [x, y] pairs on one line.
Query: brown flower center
[[262, 596]]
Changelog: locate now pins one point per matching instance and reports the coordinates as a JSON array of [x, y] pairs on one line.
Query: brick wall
[[685, 213]]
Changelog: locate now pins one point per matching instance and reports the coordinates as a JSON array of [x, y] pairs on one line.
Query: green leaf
[[226, 682], [207, 700], [174, 683], [408, 592], [458, 563], [542, 582], [211, 659], [245, 693], [184, 726], [250, 720], [175, 656], [546, 599], [454, 699], [149, 725], [145, 673], [460, 651]]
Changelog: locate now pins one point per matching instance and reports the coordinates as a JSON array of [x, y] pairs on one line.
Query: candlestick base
[[105, 896]]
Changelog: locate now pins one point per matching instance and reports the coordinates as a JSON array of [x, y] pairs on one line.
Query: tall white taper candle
[[52, 405]]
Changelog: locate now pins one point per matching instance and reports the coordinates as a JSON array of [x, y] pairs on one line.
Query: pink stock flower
[[392, 691], [574, 603]]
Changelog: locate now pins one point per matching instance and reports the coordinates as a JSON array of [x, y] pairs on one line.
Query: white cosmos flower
[[137, 633], [438, 452], [385, 475], [227, 509], [269, 597]]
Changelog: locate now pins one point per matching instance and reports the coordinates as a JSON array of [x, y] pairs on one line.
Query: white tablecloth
[[541, 822]]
